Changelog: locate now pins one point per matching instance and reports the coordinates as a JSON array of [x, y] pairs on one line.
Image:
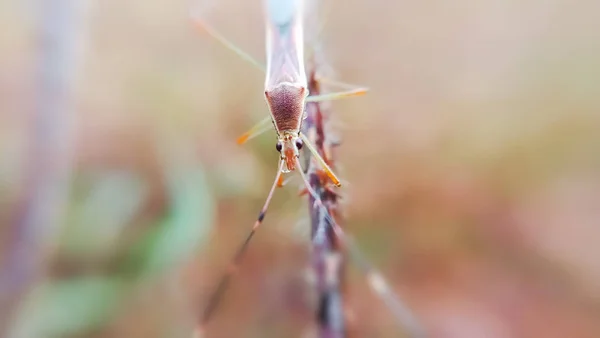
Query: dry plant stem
[[327, 258], [330, 242], [36, 220]]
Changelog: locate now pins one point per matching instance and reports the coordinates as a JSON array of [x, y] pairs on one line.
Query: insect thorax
[[286, 102]]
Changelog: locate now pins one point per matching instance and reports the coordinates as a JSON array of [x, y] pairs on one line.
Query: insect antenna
[[216, 296]]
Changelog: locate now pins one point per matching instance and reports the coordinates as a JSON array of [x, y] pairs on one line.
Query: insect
[[286, 93]]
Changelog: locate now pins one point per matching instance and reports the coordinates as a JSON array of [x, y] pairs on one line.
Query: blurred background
[[472, 169]]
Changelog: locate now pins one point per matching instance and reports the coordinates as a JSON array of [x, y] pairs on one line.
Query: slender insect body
[[286, 86]]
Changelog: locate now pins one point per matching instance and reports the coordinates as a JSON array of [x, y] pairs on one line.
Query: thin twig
[[327, 258], [329, 240]]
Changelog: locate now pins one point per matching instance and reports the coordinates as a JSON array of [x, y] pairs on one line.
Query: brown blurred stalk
[[329, 243], [327, 256], [37, 217]]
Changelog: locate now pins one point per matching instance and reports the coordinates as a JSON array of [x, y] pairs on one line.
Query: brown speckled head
[[289, 144], [286, 102]]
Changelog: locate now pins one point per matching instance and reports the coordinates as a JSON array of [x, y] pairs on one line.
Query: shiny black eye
[[279, 146], [299, 144]]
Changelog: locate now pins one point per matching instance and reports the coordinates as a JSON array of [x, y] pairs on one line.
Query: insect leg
[[337, 95], [321, 161], [259, 128], [202, 25], [217, 295]]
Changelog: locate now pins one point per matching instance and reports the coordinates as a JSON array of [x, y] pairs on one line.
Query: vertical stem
[[37, 218], [327, 258]]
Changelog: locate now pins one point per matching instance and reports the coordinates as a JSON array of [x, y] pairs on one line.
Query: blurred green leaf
[[189, 218], [104, 211], [62, 308]]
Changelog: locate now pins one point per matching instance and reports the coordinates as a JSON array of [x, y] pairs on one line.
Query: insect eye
[[299, 144], [279, 146]]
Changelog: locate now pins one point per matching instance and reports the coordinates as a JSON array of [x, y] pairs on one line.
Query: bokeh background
[[472, 169]]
